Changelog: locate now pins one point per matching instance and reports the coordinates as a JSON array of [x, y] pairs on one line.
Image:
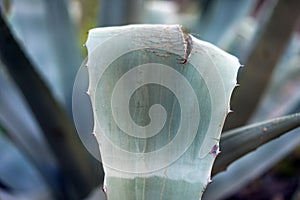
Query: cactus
[[159, 98]]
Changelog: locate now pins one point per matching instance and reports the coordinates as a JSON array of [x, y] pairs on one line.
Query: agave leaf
[[212, 26], [119, 12], [50, 37], [82, 112], [238, 142], [22, 130], [149, 86], [262, 60], [52, 119], [284, 86], [251, 166], [284, 77], [242, 36], [14, 165], [65, 45]]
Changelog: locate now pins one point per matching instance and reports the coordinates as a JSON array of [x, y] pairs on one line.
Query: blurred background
[[41, 155]]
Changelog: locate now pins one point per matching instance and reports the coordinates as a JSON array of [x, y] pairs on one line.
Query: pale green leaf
[[159, 98]]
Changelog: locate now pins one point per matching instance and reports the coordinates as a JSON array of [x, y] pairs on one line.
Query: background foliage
[[41, 50]]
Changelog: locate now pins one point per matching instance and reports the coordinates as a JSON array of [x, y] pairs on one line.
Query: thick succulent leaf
[[262, 61], [160, 98], [22, 129], [212, 26], [252, 165], [280, 99], [50, 41], [13, 166], [284, 86], [119, 12], [52, 119], [242, 36], [82, 112], [238, 142]]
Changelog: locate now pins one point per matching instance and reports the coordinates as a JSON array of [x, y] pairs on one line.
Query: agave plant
[[37, 133]]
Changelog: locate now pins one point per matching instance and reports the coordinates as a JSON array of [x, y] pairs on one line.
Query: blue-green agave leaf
[[49, 38], [251, 165], [52, 119], [238, 142], [13, 166], [212, 26], [159, 98], [254, 79], [284, 86], [119, 12], [22, 129]]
